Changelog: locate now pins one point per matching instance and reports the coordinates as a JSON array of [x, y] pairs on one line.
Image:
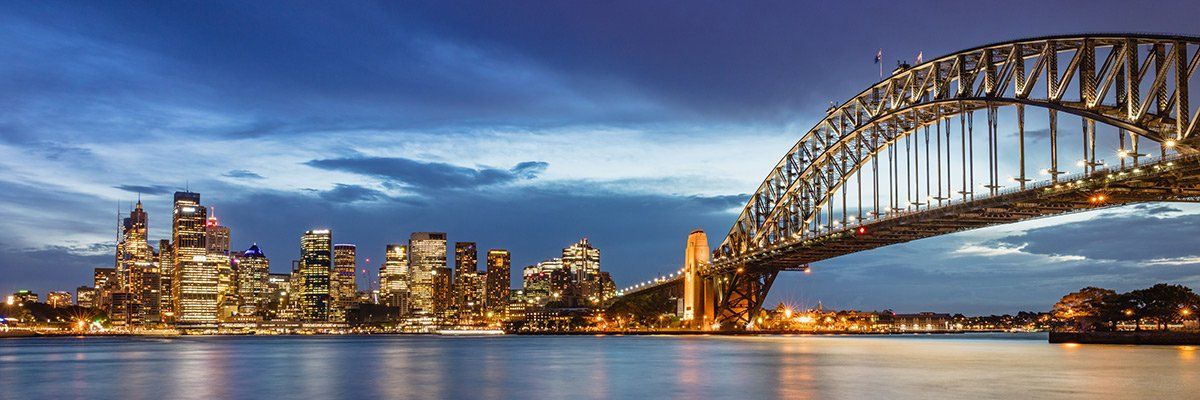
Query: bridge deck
[[1171, 179]]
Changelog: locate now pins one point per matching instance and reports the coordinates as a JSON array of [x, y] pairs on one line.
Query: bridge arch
[[805, 181]]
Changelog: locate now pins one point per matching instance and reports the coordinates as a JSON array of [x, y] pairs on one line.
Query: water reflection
[[799, 367]]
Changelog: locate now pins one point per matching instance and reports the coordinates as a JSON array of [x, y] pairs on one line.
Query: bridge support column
[[742, 295], [695, 288]]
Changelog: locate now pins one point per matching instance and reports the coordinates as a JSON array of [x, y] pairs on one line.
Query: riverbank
[[1140, 338]]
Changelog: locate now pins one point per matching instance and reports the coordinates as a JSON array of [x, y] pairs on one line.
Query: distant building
[[217, 246], [427, 251], [394, 275], [194, 284], [252, 269], [25, 296], [582, 261], [443, 291], [166, 272], [316, 259], [343, 287], [85, 296], [925, 321], [499, 279], [279, 305], [468, 283]]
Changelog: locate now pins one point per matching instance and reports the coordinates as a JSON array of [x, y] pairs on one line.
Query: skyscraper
[[137, 273], [467, 282], [315, 261], [583, 262], [194, 284], [499, 279], [166, 267], [216, 243], [252, 270], [394, 277], [343, 287], [427, 255]]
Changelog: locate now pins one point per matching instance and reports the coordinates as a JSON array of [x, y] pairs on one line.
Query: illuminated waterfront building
[[133, 248], [427, 251], [85, 296], [499, 279], [443, 291], [343, 287], [194, 280], [394, 277], [252, 269], [136, 272], [217, 245], [583, 262], [166, 267], [58, 299], [468, 284], [25, 296], [316, 259], [279, 303], [105, 281]]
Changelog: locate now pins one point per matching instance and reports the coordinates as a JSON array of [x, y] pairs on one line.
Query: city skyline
[[508, 141]]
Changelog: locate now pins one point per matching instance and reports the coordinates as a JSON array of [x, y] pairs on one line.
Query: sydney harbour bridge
[[987, 136]]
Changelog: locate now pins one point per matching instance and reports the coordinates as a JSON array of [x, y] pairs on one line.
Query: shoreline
[[1149, 338], [30, 334]]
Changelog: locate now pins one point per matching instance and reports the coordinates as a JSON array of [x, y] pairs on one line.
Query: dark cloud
[[145, 189], [424, 176], [344, 194], [242, 174], [1115, 236]]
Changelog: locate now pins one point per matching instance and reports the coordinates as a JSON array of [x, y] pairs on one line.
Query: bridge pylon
[[698, 294]]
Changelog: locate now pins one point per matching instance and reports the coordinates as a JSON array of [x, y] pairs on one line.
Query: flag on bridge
[[879, 60], [920, 57]]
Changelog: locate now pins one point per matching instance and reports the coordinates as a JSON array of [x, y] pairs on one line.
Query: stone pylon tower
[[697, 293]]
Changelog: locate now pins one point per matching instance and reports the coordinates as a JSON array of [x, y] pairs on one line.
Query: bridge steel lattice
[[907, 158]]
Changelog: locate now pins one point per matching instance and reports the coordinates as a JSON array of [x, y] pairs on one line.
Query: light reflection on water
[[683, 367]]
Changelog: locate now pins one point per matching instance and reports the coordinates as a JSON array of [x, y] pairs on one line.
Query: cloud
[[242, 174], [425, 176], [145, 189], [1186, 260], [343, 194]]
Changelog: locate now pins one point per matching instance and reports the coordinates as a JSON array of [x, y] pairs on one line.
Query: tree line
[[1093, 308]]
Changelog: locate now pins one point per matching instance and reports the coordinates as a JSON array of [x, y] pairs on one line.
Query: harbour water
[[975, 366]]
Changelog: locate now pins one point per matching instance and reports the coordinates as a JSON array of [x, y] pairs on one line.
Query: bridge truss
[[977, 138]]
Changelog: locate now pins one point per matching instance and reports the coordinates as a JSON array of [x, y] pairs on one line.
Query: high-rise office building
[[217, 245], [394, 277], [343, 288], [136, 272], [467, 281], [443, 291], [105, 282], [499, 279], [316, 259], [166, 267], [194, 284], [252, 269], [583, 262], [427, 254], [279, 303]]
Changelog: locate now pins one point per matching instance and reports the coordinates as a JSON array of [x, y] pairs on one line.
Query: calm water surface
[[682, 367]]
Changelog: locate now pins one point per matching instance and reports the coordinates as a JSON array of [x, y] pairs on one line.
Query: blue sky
[[517, 126]]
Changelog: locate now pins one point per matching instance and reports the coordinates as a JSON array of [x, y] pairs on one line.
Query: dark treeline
[[1093, 308]]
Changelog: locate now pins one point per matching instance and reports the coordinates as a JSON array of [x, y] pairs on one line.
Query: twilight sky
[[522, 127]]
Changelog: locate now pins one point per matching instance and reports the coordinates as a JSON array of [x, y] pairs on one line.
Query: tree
[[1084, 306], [1164, 303]]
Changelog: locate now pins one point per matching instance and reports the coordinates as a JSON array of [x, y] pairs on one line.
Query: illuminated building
[[166, 268], [194, 280], [252, 269], [316, 258], [696, 293], [583, 262], [216, 245], [137, 275], [279, 303], [25, 296], [343, 287], [468, 284], [499, 279], [427, 251], [85, 296], [105, 281], [443, 290], [394, 278]]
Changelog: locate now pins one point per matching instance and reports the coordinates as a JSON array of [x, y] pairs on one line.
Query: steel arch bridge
[[899, 161]]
